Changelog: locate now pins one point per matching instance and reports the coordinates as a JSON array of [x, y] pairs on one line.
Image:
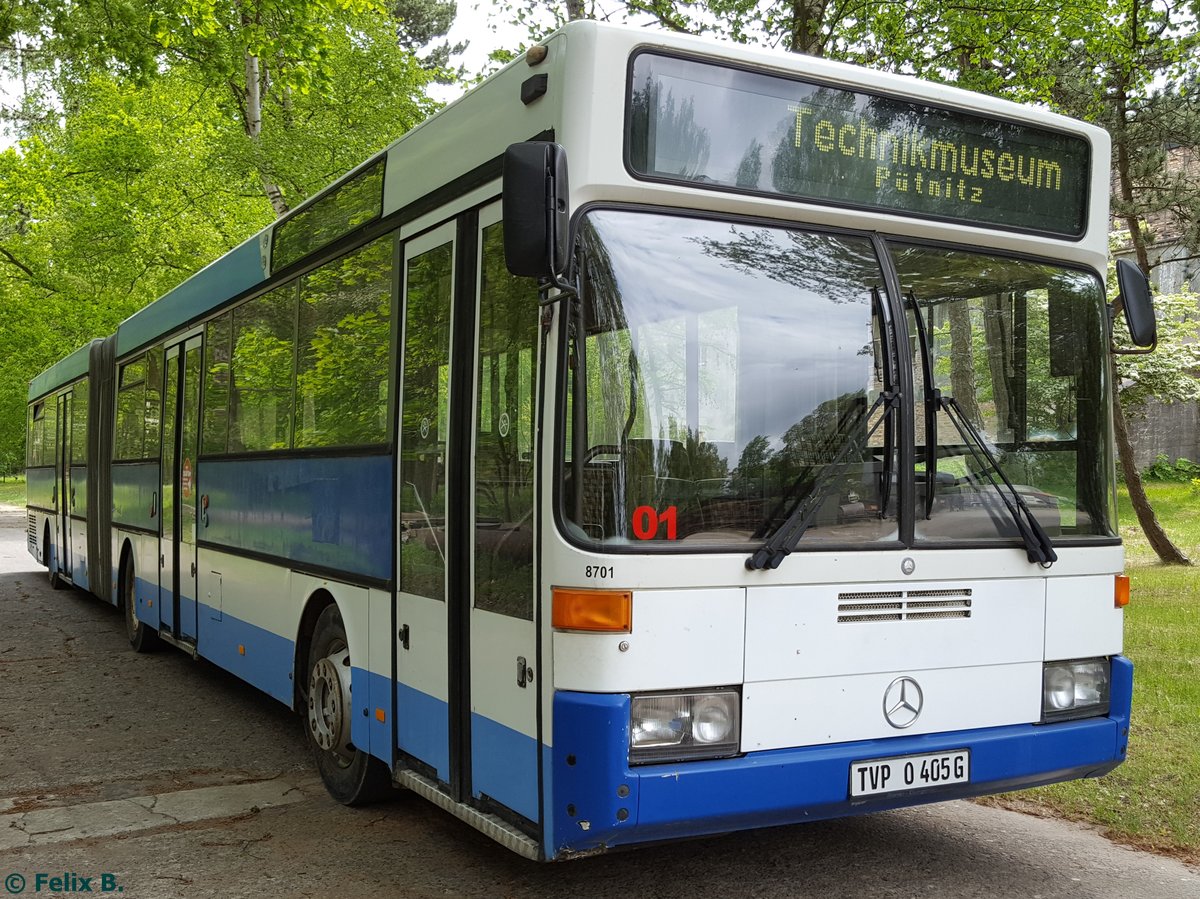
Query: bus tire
[[352, 775], [57, 581], [141, 637]]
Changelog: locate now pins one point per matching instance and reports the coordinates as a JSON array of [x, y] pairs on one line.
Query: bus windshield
[[1019, 348], [730, 372], [723, 375]]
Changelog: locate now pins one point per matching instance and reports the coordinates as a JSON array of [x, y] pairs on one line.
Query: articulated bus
[[763, 474]]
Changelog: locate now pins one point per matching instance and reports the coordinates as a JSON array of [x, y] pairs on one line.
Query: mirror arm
[[1119, 351], [1115, 308], [565, 289]]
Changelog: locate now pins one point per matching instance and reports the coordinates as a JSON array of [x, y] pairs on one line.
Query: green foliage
[[1150, 800], [1163, 469], [136, 166]]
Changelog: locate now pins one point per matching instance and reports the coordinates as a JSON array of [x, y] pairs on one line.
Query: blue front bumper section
[[598, 801]]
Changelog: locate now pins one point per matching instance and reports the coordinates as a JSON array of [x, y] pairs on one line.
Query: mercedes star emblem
[[902, 702]]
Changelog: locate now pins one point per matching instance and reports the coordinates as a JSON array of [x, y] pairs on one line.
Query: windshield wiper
[[785, 538], [1037, 543]]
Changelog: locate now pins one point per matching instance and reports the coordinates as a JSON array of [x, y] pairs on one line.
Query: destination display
[[730, 128]]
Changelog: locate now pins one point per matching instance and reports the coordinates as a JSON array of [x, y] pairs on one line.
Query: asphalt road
[[159, 776]]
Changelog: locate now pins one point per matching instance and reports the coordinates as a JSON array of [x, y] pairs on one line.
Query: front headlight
[[1075, 689], [675, 726]]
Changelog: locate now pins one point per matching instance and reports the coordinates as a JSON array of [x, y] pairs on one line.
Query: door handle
[[154, 504], [524, 672]]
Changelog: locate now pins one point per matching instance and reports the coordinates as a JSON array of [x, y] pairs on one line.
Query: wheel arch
[[124, 556], [318, 600]]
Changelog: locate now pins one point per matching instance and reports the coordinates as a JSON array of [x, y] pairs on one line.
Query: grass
[[12, 491], [1153, 799]]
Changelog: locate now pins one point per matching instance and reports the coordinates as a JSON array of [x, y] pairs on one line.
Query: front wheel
[[141, 637], [352, 776]]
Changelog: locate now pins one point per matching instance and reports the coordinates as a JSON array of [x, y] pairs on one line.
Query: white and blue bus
[[765, 475]]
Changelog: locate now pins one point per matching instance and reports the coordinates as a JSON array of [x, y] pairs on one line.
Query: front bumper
[[597, 801]]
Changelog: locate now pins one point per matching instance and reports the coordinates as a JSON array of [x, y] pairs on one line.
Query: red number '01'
[[647, 519]]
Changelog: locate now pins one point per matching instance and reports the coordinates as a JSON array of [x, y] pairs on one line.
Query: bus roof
[[64, 371]]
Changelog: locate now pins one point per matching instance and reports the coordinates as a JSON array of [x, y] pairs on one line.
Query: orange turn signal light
[[1121, 591], [380, 715], [593, 610]]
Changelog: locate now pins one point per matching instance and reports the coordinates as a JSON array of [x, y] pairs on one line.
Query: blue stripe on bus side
[[149, 610], [424, 727], [79, 571], [189, 611], [329, 512], [267, 662], [504, 765], [761, 789]]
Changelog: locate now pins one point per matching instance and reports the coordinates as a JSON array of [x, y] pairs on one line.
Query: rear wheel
[[352, 776], [141, 637]]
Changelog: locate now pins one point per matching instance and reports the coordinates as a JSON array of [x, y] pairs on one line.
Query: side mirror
[[1137, 304], [536, 206]]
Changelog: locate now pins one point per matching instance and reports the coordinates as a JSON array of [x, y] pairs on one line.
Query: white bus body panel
[[680, 639], [795, 632], [848, 707], [1082, 618]]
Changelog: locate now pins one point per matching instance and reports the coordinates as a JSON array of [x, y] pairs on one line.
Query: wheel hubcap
[[329, 704]]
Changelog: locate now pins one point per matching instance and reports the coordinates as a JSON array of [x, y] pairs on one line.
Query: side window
[[50, 435], [37, 428], [343, 349], [504, 410], [424, 420], [263, 343], [215, 433], [131, 410], [79, 417], [153, 422]]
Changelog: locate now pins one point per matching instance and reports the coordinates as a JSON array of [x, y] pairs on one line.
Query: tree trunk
[[1166, 551], [252, 120], [807, 17], [962, 363], [575, 10]]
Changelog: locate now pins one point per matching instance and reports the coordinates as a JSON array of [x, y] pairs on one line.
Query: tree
[[270, 63], [1132, 74], [134, 171]]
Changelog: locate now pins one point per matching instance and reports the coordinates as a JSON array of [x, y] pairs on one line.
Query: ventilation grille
[[31, 529], [903, 605]]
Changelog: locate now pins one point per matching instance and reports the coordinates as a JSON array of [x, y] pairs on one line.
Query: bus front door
[[466, 694], [504, 669], [180, 439], [424, 661]]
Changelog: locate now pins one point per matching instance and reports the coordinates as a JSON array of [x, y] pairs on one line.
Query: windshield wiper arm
[[785, 538], [1037, 543]]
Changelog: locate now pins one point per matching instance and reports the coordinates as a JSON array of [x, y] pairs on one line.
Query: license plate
[[899, 774]]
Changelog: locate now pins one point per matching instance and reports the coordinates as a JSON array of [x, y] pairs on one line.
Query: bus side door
[[504, 732]]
